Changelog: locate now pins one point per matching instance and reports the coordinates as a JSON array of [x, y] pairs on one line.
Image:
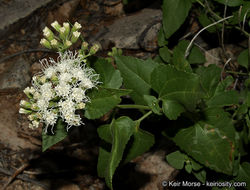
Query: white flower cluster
[[59, 91]]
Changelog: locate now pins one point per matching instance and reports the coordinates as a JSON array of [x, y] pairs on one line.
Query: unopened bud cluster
[[65, 37], [59, 91]]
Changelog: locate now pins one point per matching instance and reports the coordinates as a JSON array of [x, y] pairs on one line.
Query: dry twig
[[23, 52], [192, 41], [23, 177]]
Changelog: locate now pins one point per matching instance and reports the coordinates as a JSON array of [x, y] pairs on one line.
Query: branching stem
[[132, 106]]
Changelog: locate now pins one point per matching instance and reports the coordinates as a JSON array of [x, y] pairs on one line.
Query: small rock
[[126, 32], [83, 3], [17, 10], [156, 166], [64, 12], [69, 187], [149, 37], [35, 68], [213, 56], [17, 76], [9, 127], [113, 7], [112, 2], [93, 7]]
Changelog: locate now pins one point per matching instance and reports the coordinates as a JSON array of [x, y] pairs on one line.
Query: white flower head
[[50, 117], [62, 89], [78, 95], [42, 104], [49, 72], [65, 77], [61, 97]]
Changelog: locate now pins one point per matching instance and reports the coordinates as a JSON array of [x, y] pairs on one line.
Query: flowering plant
[[195, 100]]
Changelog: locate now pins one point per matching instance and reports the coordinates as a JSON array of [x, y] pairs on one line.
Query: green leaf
[[196, 56], [102, 101], [210, 78], [172, 109], [207, 147], [188, 168], [223, 85], [242, 15], [142, 142], [248, 99], [205, 21], [174, 14], [103, 161], [165, 54], [104, 133], [179, 60], [244, 174], [178, 86], [161, 38], [153, 103], [200, 175], [136, 74], [50, 140], [110, 77], [195, 165], [158, 59], [122, 130], [243, 59], [176, 159], [221, 120], [224, 99], [230, 3]]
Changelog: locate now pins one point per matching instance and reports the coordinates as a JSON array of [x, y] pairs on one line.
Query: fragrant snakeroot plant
[[198, 108]]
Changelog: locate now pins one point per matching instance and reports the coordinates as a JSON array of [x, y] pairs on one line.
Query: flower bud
[[34, 107], [34, 116], [48, 33], [34, 124], [75, 36], [76, 27], [36, 95], [42, 79], [68, 43], [45, 43], [54, 78], [24, 111], [56, 26], [54, 43], [25, 104], [94, 49], [85, 46], [29, 91], [67, 28]]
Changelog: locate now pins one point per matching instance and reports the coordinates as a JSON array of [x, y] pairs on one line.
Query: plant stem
[[237, 73], [198, 1], [133, 106], [143, 117]]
